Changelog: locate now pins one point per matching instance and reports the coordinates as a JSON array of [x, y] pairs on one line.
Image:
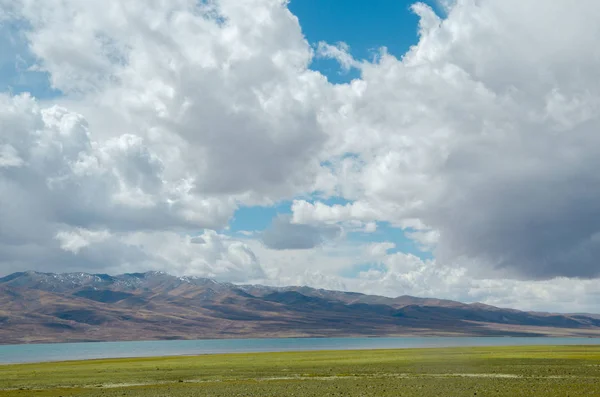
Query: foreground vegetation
[[496, 371]]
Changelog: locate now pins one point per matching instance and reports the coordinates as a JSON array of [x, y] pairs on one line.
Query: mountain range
[[73, 307]]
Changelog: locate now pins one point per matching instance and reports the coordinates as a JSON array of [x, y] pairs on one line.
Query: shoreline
[[288, 346]]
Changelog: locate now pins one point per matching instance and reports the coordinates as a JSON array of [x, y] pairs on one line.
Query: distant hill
[[47, 307]]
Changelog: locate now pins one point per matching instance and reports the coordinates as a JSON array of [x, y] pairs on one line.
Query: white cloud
[[340, 53], [427, 239], [73, 241], [77, 180], [304, 212], [210, 255], [370, 227], [190, 110], [378, 250], [293, 264], [68, 190], [219, 89], [446, 4], [9, 156], [284, 234], [484, 133]]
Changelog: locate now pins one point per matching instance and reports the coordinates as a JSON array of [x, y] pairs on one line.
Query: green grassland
[[494, 371]]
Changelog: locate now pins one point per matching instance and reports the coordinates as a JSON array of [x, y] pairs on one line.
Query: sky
[[440, 149]]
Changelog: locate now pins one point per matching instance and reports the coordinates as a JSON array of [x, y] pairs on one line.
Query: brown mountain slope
[[45, 307]]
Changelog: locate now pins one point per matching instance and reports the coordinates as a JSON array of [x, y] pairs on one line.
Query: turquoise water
[[91, 350]]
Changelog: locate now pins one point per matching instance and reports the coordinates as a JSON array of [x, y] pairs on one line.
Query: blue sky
[[15, 60], [365, 26]]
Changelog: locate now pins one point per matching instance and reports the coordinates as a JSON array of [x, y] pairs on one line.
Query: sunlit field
[[496, 371]]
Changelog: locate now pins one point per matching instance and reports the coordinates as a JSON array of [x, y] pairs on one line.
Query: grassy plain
[[495, 371]]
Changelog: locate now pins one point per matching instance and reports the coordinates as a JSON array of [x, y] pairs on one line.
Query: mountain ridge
[[49, 307]]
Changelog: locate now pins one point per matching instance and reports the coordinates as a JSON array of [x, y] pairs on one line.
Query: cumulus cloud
[[9, 156], [283, 234], [210, 255], [484, 132], [339, 52], [74, 241], [70, 202], [56, 168], [304, 212], [173, 114], [222, 88]]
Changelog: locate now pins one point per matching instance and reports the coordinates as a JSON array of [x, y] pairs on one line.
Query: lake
[[93, 350]]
